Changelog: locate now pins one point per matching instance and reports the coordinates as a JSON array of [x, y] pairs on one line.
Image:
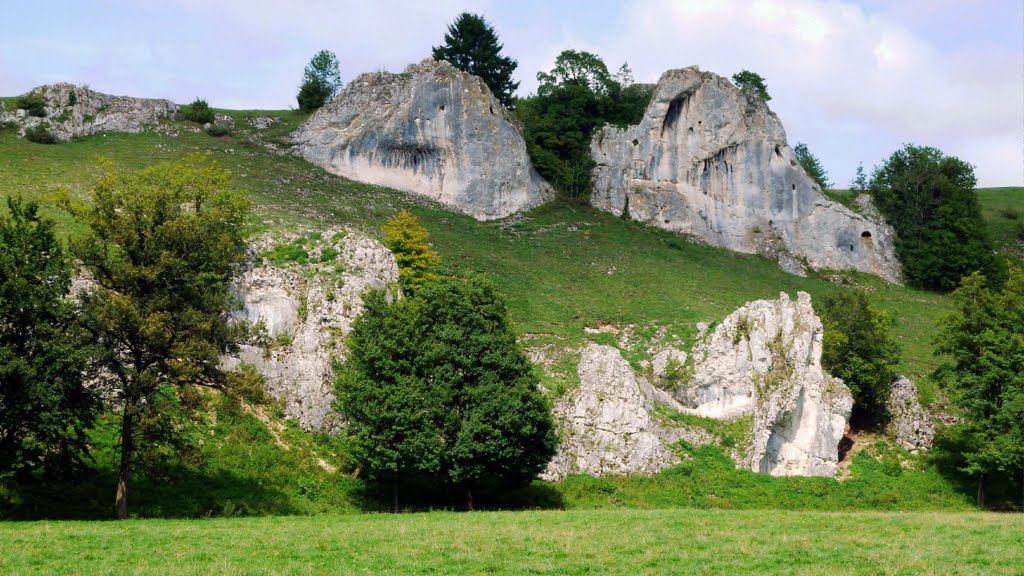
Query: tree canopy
[[407, 240], [859, 348], [436, 389], [161, 246], [812, 166], [45, 409], [984, 341], [471, 45], [929, 199], [321, 80], [751, 83]]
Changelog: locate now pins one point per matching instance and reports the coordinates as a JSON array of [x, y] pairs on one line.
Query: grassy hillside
[[619, 542], [1003, 209]]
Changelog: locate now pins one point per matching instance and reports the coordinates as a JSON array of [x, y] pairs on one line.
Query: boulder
[[764, 360], [712, 162], [432, 130], [912, 428], [307, 311], [73, 111]]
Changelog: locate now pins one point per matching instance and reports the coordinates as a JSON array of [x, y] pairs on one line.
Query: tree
[[161, 246], [929, 199], [321, 80], [984, 341], [751, 83], [578, 68], [407, 240], [471, 45], [812, 166], [45, 409], [436, 388], [860, 180], [859, 348]]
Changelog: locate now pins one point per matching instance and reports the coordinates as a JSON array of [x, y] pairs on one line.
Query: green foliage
[[313, 94], [40, 134], [471, 45], [752, 83], [34, 103], [288, 252], [860, 180], [218, 130], [812, 166], [321, 80], [436, 389], [929, 199], [198, 111], [576, 97], [161, 248], [859, 348], [44, 407], [407, 240], [984, 340]]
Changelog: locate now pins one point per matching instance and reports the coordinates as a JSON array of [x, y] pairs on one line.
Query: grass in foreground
[[584, 542]]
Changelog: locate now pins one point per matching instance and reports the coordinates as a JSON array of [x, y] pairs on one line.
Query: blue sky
[[853, 80]]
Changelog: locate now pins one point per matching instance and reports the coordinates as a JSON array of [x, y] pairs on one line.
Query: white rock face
[[308, 311], [432, 130], [912, 428], [79, 111], [765, 359], [708, 161], [608, 424]]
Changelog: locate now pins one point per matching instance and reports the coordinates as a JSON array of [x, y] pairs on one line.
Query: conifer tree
[[471, 45]]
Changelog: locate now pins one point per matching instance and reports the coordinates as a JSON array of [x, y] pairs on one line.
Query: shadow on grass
[[416, 496]]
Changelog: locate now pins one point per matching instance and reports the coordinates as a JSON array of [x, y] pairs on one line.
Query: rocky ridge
[[711, 162], [432, 130], [73, 111], [912, 427]]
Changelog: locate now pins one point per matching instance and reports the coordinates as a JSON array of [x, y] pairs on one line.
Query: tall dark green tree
[[436, 389], [751, 83], [929, 199], [471, 45], [44, 407], [859, 348], [321, 80], [811, 165], [161, 246], [984, 342]]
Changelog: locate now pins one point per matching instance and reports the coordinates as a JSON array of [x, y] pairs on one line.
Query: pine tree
[[471, 45], [812, 166]]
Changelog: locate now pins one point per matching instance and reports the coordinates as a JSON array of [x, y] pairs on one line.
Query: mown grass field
[[581, 542]]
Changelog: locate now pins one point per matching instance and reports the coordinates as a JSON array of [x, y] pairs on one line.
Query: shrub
[[313, 94], [218, 130], [34, 104], [40, 134], [198, 111]]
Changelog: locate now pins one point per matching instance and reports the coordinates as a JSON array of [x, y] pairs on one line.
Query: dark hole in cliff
[[636, 142], [666, 221], [778, 152], [844, 446], [794, 186], [492, 110], [792, 162], [675, 108], [851, 247], [442, 107], [691, 129], [865, 234]]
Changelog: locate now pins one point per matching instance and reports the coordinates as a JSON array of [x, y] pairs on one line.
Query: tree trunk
[[394, 493], [469, 500], [981, 491], [124, 471]]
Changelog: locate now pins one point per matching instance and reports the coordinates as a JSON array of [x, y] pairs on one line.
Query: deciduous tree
[[407, 240], [321, 80]]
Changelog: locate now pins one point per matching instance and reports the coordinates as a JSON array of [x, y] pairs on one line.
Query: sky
[[854, 80]]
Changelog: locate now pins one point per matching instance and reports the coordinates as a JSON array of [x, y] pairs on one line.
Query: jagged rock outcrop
[[432, 130], [912, 428], [765, 360], [609, 424], [709, 161], [307, 310], [79, 111]]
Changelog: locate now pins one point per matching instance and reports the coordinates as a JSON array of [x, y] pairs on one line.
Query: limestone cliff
[[307, 311], [711, 162], [765, 360], [73, 111], [432, 130], [911, 426]]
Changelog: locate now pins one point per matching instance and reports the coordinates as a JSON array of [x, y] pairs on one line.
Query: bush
[[34, 104], [198, 111], [218, 130], [40, 134], [313, 94]]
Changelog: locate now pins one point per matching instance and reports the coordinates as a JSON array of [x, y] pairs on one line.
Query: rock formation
[[609, 424], [432, 130], [79, 111], [709, 161], [765, 360], [912, 428], [307, 310]]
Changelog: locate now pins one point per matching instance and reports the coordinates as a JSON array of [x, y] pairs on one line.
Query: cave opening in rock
[[675, 108], [865, 234]]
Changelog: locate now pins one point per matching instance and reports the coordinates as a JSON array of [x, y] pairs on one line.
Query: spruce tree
[[812, 166], [471, 45]]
